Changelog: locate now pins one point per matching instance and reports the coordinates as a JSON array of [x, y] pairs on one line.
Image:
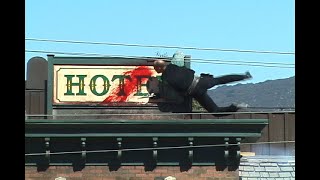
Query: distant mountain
[[271, 94]]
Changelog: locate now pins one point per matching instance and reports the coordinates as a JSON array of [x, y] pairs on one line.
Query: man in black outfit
[[186, 82]]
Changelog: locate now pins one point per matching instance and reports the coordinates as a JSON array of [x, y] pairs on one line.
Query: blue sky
[[266, 25]]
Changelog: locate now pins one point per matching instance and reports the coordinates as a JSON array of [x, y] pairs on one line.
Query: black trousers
[[206, 82]]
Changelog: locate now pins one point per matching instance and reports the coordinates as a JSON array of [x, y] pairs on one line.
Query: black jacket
[[177, 102], [178, 77]]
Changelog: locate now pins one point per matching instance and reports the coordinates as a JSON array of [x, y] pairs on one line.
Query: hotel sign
[[100, 84]]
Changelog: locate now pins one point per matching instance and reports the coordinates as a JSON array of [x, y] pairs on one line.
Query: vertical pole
[[187, 63], [50, 85], [45, 99]]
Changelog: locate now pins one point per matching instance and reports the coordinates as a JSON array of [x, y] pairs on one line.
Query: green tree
[[196, 106]]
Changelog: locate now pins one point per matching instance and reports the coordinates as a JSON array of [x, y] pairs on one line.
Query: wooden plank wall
[[261, 149], [35, 101], [281, 128], [289, 133]]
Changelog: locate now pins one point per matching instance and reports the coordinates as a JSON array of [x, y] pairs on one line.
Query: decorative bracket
[[119, 153], [83, 150], [226, 148], [47, 148], [190, 153], [155, 152], [238, 148]]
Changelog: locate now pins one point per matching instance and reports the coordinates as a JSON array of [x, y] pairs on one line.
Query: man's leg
[[206, 102], [209, 82]]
